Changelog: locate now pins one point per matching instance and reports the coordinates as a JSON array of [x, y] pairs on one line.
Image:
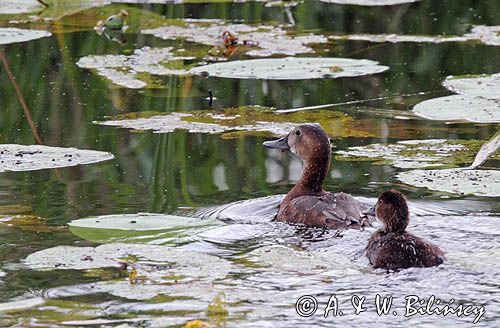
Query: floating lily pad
[[141, 228], [459, 108], [16, 35], [153, 261], [124, 70], [485, 34], [415, 153], [19, 6], [484, 86], [261, 41], [370, 2], [457, 181], [291, 68], [35, 157], [234, 121]]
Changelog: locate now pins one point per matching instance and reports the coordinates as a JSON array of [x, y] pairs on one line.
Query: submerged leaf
[[291, 68], [16, 35], [35, 157], [459, 108], [457, 181]]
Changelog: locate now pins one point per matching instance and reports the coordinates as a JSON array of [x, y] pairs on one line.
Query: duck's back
[[330, 210], [394, 251]]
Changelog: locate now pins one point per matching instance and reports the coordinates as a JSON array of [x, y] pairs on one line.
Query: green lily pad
[[487, 149], [459, 108], [456, 181], [35, 157], [12, 7], [125, 70], [231, 122], [259, 40], [414, 153], [150, 261], [370, 2], [484, 34], [15, 35], [141, 228], [291, 68], [484, 86]]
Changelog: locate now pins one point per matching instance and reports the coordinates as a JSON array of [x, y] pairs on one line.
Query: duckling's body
[[392, 247], [307, 203]]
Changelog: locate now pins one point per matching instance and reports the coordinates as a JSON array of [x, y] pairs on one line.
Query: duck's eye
[[297, 132]]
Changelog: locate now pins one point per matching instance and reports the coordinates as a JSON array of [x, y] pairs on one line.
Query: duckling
[[307, 203], [115, 22], [393, 248]]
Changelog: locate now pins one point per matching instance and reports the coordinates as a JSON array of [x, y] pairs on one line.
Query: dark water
[[233, 180]]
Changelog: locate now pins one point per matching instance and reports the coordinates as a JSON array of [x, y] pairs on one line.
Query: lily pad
[[35, 157], [484, 86], [487, 149], [370, 2], [141, 228], [260, 41], [15, 35], [124, 70], [457, 181], [10, 7], [234, 121], [153, 261], [459, 108], [291, 68], [485, 34], [414, 153]]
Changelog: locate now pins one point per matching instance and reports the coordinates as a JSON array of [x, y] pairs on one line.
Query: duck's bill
[[370, 211], [278, 144]]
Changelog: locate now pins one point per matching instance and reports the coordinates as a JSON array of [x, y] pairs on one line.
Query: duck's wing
[[334, 211]]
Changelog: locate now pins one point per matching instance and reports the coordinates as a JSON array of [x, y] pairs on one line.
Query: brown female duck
[[392, 247], [307, 203]]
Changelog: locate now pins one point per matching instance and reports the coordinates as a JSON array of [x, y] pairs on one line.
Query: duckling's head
[[308, 141], [392, 210], [123, 13]]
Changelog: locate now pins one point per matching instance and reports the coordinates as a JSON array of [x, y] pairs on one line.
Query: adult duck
[[393, 248], [307, 203]]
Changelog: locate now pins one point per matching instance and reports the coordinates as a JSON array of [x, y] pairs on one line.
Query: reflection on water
[[233, 180]]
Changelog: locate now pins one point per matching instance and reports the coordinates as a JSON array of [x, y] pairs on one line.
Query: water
[[237, 181]]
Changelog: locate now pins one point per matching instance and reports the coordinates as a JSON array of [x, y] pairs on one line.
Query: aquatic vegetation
[[455, 181], [9, 7], [153, 261], [370, 2], [141, 228], [291, 68], [258, 40], [15, 35], [483, 86], [487, 35], [487, 149], [231, 122], [479, 100], [125, 70], [414, 153], [37, 157]]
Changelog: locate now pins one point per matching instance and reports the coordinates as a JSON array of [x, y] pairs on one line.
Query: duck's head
[[308, 141], [392, 210], [123, 13]]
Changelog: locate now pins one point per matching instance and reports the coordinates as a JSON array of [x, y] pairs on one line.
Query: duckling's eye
[[297, 132]]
